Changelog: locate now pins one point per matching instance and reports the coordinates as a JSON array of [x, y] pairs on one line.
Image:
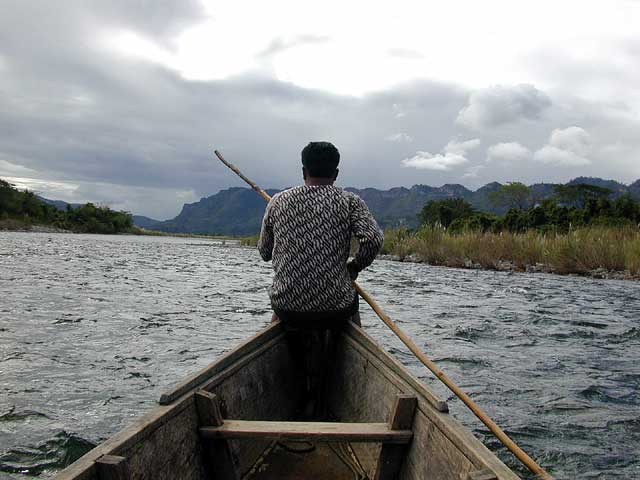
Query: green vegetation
[[579, 251], [20, 209], [445, 212], [578, 231], [574, 207], [511, 195], [251, 241]]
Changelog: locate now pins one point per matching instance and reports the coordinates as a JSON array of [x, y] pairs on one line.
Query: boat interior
[[248, 415]]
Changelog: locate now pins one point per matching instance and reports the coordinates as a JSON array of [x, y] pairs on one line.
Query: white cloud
[[427, 161], [461, 148], [574, 139], [48, 188], [567, 147], [399, 137], [279, 44], [452, 155], [154, 202], [473, 172], [499, 105], [11, 169], [216, 48], [556, 156], [508, 152]]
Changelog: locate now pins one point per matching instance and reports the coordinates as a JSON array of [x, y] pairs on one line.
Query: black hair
[[320, 159]]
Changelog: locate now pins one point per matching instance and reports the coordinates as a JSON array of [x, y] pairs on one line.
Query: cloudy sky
[[122, 102]]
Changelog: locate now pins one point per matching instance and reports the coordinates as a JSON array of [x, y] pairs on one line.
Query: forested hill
[[24, 209], [238, 211]]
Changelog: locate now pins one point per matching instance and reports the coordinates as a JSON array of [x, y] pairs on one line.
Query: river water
[[94, 328]]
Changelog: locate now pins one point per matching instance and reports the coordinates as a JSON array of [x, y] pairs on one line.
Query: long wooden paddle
[[478, 412]]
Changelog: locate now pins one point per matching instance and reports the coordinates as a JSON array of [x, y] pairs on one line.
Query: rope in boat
[[477, 411]]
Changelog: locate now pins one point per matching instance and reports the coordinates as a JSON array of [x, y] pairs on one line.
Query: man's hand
[[352, 269]]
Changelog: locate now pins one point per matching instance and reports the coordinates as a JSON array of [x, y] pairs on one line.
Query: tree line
[[572, 206], [26, 208]]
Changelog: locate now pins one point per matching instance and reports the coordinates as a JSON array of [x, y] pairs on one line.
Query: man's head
[[320, 160]]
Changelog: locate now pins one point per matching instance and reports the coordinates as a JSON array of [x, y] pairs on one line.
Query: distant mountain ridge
[[60, 204], [145, 222], [234, 211], [238, 211]]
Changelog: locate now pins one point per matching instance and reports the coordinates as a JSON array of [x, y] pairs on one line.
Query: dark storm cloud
[[140, 137], [75, 112], [57, 21], [501, 104]]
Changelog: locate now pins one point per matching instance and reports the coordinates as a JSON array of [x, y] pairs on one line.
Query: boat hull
[[256, 381]]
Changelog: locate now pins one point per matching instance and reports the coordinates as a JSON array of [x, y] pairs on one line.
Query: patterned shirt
[[307, 232]]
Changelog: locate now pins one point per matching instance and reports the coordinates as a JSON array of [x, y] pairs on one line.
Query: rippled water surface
[[94, 328]]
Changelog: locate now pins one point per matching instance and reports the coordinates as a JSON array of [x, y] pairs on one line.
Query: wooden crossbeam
[[112, 467], [484, 474], [391, 456], [218, 459], [308, 431]]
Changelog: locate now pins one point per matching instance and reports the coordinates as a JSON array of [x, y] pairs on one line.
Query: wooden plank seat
[[307, 431], [394, 435]]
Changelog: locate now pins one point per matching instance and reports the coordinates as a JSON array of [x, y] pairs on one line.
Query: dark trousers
[[313, 351]]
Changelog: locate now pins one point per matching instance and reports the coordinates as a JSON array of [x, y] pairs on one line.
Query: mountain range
[[238, 211]]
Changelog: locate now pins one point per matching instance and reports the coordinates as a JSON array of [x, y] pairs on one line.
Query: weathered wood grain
[[394, 369], [391, 456], [263, 389], [217, 456], [195, 380], [441, 447], [256, 382], [165, 443], [161, 455], [484, 474], [112, 467], [208, 407], [84, 468], [308, 431]]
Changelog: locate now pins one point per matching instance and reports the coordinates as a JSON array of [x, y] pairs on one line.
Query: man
[[307, 232]]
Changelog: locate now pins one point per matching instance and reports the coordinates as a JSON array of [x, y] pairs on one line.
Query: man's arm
[[265, 242], [368, 234]]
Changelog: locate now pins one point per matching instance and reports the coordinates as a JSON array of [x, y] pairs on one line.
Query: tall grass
[[251, 241], [579, 251]]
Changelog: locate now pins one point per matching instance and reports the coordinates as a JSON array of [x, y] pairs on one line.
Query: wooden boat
[[233, 420]]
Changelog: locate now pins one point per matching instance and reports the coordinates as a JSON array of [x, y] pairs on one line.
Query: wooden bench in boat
[[307, 431], [397, 433]]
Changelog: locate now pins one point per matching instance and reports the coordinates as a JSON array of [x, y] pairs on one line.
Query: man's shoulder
[[284, 194], [350, 195], [354, 199], [303, 193]]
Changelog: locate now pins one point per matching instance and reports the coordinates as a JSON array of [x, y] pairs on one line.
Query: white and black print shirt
[[307, 232]]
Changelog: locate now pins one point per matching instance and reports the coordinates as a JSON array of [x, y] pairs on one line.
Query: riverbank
[[605, 253], [157, 233], [11, 225], [598, 252]]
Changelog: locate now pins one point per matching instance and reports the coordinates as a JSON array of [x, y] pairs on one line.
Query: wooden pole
[[235, 169], [473, 406], [477, 411]]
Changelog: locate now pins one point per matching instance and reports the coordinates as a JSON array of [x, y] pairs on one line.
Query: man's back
[[307, 233]]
